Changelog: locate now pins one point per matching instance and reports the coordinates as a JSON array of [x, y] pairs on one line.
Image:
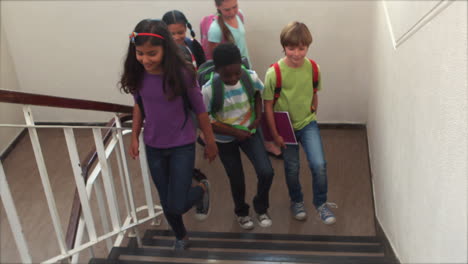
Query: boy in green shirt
[[298, 98]]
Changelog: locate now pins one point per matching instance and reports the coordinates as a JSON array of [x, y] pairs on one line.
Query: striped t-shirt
[[236, 107]]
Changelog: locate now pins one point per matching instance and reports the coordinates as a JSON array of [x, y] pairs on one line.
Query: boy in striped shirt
[[235, 126]]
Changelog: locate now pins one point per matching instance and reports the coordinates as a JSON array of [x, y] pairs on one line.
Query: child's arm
[[279, 141], [314, 103], [211, 149], [258, 111], [225, 129], [136, 129]]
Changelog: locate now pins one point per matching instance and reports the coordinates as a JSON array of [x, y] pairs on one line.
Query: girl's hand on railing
[[134, 152]]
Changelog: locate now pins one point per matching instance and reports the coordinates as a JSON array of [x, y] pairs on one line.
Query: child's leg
[[158, 163], [291, 171], [312, 143], [230, 157], [255, 151], [181, 195]]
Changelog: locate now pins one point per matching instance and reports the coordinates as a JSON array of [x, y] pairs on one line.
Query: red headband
[[135, 34]]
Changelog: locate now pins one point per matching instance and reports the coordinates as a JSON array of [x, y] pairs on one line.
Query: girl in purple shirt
[[158, 77]]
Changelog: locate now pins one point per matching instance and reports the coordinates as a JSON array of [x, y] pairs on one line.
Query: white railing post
[[80, 183], [108, 180], [45, 179], [124, 167], [125, 178], [145, 174], [13, 218], [102, 211]]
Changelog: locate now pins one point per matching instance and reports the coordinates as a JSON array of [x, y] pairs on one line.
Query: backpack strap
[[247, 83], [315, 75], [139, 101], [241, 15], [217, 89], [278, 82]]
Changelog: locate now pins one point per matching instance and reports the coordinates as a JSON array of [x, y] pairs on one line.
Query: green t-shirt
[[296, 93]]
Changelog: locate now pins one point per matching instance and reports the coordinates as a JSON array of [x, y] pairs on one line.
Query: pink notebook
[[283, 125]]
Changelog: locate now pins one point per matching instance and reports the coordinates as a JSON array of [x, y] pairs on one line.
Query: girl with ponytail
[[229, 27], [178, 24]]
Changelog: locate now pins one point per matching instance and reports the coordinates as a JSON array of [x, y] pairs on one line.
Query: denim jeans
[[230, 157], [172, 170], [309, 138]]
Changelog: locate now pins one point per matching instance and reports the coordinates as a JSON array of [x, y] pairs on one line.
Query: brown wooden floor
[[348, 175]]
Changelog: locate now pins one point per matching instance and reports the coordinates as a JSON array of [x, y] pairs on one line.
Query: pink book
[[283, 125]]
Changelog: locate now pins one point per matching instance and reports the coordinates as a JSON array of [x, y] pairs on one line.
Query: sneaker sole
[[332, 221], [300, 218], [201, 217], [247, 227], [265, 225]]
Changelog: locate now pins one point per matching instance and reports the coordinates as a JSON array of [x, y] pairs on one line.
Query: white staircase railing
[[115, 226]]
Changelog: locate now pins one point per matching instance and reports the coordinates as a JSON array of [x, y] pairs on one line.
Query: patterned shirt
[[236, 107]]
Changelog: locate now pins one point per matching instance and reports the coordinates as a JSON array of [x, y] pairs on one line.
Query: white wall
[[76, 48], [417, 129], [9, 113]]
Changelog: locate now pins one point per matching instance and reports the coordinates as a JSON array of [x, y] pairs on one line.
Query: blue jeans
[[309, 138], [172, 170], [230, 157]]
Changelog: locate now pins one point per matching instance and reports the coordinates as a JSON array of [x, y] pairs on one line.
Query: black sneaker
[[198, 175], [181, 244], [203, 206]]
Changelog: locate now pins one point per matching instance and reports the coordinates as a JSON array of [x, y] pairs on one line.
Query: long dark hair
[[177, 17], [224, 29], [173, 64]]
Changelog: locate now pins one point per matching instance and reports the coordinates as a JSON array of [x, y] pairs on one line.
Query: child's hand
[[254, 124], [279, 141], [211, 150], [242, 135], [134, 152]]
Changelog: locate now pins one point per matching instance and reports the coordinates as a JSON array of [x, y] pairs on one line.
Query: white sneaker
[[326, 215], [298, 210], [264, 220], [245, 222]]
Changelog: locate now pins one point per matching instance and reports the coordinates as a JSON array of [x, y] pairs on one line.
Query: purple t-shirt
[[164, 121]]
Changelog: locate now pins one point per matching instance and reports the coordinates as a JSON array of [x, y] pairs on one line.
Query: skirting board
[[7, 151], [387, 247]]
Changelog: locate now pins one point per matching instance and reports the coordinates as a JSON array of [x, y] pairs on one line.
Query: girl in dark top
[[177, 24]]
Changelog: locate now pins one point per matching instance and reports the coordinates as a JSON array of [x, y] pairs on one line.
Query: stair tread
[[246, 256], [267, 245], [263, 236], [106, 261]]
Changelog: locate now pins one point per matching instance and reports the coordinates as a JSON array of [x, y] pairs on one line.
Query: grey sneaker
[[181, 244], [264, 220], [245, 222], [298, 211], [326, 215], [203, 206]]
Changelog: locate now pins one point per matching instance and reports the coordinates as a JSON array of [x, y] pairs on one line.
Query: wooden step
[[149, 234], [156, 255], [237, 248]]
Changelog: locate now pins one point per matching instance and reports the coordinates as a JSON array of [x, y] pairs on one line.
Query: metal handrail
[[112, 137]]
